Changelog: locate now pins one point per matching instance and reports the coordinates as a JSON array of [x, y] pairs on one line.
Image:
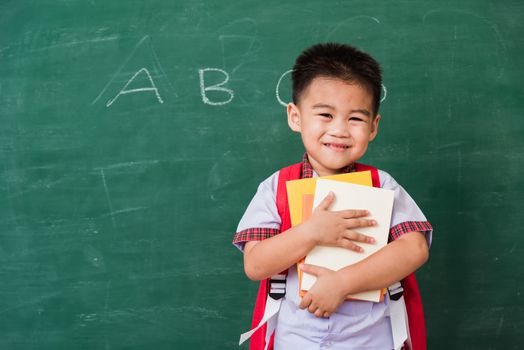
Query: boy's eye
[[326, 115], [357, 119]]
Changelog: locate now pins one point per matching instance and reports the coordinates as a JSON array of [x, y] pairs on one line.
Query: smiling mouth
[[336, 146]]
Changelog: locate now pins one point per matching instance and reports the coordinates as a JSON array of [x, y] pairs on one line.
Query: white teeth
[[337, 146]]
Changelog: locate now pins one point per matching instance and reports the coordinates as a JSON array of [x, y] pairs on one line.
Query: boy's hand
[[338, 228], [326, 295]]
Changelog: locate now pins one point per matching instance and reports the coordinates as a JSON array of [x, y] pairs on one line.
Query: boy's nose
[[339, 129]]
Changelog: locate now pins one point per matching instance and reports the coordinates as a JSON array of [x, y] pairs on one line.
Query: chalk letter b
[[216, 87]]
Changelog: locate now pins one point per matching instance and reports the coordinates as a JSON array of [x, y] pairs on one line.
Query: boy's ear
[[293, 117], [374, 127]]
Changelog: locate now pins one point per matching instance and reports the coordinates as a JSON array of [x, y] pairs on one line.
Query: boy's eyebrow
[[324, 105]]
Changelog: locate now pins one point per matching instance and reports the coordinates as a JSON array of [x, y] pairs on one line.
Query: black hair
[[339, 61]]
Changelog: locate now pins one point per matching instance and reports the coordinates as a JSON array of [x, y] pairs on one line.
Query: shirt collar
[[307, 169]]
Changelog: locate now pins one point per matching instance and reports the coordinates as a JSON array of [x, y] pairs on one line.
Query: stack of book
[[352, 191]]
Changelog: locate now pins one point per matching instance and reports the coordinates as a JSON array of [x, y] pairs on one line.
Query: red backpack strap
[[415, 311], [414, 308], [293, 172]]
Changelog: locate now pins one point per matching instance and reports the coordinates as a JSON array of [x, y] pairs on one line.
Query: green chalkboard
[[134, 133]]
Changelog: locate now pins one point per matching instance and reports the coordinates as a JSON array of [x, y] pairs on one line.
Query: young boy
[[336, 97]]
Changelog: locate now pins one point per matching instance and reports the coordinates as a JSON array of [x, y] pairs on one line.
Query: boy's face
[[335, 120]]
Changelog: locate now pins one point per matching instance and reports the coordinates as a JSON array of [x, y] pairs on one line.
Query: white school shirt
[[354, 325]]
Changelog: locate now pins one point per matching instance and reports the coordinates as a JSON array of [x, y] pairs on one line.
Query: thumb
[[313, 269], [326, 202]]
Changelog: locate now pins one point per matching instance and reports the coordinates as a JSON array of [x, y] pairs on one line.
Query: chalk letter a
[[152, 87]]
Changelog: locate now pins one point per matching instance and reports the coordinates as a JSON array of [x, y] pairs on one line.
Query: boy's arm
[[387, 266], [263, 259]]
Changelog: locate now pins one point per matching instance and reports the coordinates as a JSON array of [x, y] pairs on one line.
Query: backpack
[[411, 295]]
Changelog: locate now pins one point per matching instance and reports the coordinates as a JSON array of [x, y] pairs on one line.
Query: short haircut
[[338, 61]]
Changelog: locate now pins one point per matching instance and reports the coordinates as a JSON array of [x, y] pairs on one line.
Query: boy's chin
[[326, 166], [332, 168], [337, 164]]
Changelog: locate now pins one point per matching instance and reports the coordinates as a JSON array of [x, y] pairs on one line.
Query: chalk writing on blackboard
[[214, 94], [215, 87], [123, 91], [278, 88], [145, 41], [110, 204], [385, 93]]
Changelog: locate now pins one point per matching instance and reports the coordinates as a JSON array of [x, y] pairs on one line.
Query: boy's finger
[[352, 223], [346, 243], [326, 202], [353, 213], [312, 269], [359, 237], [306, 300]]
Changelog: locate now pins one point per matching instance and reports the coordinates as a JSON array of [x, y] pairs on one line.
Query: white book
[[379, 202]]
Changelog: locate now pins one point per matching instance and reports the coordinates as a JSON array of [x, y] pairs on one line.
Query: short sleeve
[[407, 216], [261, 219]]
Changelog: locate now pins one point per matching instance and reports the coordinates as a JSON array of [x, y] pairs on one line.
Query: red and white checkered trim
[[408, 226], [255, 234]]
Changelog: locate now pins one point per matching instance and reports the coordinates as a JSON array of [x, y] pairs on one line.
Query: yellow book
[[296, 189]]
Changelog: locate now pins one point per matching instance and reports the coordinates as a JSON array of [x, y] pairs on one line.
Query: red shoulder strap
[[293, 172], [415, 311], [414, 308]]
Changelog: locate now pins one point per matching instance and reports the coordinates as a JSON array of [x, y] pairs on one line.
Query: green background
[[117, 214]]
